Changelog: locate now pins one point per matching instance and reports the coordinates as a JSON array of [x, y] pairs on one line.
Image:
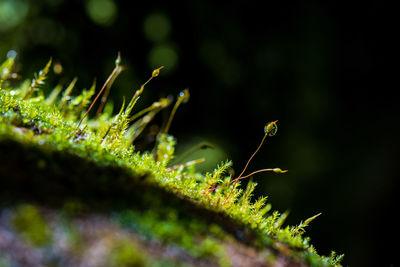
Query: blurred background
[[318, 68]]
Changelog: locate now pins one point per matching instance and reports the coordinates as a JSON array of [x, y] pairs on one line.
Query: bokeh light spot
[[157, 27], [163, 55], [12, 12], [11, 54], [57, 68], [102, 12]]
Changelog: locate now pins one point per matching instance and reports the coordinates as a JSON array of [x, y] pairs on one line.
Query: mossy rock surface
[[61, 209], [81, 195]]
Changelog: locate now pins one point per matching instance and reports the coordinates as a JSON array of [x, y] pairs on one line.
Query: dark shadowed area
[[318, 68]]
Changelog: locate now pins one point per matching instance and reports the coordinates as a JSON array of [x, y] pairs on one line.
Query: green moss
[[66, 155], [190, 233], [126, 253], [30, 224]]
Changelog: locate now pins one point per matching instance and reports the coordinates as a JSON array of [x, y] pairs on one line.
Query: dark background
[[321, 69]]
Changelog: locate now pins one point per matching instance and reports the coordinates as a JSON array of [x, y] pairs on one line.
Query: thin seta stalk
[[202, 145], [269, 130], [160, 104], [189, 163], [137, 127], [182, 98], [276, 170], [114, 121], [135, 97], [117, 69]]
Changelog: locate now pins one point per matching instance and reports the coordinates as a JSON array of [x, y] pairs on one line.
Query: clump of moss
[[58, 129], [126, 253], [30, 224]]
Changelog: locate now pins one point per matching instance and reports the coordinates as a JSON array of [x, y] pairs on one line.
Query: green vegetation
[[29, 222], [84, 165]]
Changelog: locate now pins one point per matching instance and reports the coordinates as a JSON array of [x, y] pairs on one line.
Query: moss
[[70, 161], [126, 253], [166, 226], [30, 224]]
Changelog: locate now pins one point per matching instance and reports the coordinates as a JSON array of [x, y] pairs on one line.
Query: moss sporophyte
[[107, 142]]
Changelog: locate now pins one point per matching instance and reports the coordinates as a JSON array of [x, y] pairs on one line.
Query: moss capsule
[[271, 128]]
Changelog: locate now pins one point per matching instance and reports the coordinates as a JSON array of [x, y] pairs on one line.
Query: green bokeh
[[12, 12], [102, 12], [157, 27], [163, 55]]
